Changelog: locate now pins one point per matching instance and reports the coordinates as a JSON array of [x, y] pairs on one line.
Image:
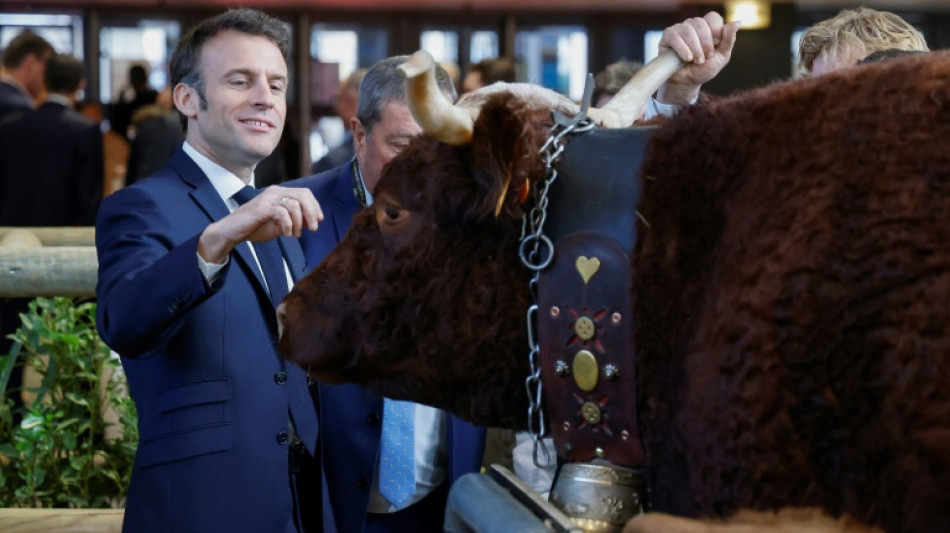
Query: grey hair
[[383, 84]]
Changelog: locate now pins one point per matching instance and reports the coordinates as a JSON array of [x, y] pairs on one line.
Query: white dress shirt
[[227, 185]]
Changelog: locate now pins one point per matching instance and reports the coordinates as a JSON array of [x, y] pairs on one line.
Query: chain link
[[537, 252]]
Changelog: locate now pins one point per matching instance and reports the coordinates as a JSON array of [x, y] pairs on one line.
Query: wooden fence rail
[[68, 236], [61, 520], [47, 262]]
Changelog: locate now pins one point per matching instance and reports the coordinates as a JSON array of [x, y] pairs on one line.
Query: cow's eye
[[392, 212]]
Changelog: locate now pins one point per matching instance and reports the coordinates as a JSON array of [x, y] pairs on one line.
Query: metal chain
[[537, 252]]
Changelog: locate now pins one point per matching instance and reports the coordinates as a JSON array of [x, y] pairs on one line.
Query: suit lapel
[[206, 197]]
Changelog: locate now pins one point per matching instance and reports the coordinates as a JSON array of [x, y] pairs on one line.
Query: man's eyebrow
[[250, 74], [244, 71]]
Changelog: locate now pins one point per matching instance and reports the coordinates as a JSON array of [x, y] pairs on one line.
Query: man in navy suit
[[352, 418], [191, 264], [51, 158], [24, 62]]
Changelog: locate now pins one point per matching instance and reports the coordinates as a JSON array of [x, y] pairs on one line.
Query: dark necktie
[[302, 410]]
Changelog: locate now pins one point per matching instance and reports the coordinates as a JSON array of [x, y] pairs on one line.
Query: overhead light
[[754, 14]]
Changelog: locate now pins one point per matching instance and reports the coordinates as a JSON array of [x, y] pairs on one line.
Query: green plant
[[56, 451]]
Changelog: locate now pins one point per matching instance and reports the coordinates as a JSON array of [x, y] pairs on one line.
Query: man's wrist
[[213, 247], [678, 94]]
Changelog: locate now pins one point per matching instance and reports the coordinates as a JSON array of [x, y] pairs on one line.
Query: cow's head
[[427, 286]]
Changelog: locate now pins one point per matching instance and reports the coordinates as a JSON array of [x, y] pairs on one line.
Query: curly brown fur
[[793, 291]]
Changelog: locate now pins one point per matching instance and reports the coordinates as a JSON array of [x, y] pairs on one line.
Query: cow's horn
[[622, 109], [439, 119]]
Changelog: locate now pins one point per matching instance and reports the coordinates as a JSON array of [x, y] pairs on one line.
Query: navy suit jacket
[[350, 415], [200, 360], [12, 99], [51, 170]]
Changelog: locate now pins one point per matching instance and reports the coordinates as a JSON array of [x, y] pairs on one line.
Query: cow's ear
[[505, 159]]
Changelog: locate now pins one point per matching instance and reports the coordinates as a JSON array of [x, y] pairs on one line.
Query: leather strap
[[590, 388], [587, 353]]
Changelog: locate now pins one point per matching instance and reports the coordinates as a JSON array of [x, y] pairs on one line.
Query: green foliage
[[55, 453]]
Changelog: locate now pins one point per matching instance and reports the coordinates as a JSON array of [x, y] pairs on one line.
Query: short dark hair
[[184, 64], [63, 74], [24, 44], [495, 69], [138, 76], [383, 84]]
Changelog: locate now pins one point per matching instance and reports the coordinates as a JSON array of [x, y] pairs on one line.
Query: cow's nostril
[[281, 312]]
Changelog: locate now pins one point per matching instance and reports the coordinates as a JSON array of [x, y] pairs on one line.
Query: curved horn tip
[[418, 63]]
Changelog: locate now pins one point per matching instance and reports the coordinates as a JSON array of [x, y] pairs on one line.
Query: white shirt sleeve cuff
[[211, 271], [657, 109]]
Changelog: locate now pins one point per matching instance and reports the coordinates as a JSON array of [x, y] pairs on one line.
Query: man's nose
[[263, 96]]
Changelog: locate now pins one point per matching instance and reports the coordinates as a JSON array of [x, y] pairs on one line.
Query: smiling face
[[242, 115]]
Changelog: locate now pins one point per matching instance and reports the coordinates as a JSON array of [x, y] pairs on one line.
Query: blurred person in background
[[487, 72], [115, 148], [157, 135], [852, 35], [51, 169], [347, 99], [21, 81], [136, 94], [610, 80]]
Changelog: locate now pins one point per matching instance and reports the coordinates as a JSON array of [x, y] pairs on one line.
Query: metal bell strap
[[536, 252], [580, 327]]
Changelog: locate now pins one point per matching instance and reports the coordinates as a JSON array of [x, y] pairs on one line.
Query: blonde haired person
[[851, 36]]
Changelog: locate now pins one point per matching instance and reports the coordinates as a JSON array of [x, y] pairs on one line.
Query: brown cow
[[792, 293]]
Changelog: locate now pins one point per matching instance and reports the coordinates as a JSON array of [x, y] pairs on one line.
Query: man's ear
[[359, 132], [186, 100], [359, 135]]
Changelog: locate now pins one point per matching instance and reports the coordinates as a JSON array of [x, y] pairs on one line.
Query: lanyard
[[359, 190]]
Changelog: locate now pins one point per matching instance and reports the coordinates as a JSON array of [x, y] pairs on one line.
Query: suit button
[[280, 378], [283, 438], [362, 483], [373, 419]]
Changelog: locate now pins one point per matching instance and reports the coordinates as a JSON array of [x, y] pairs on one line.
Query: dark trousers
[[306, 484], [425, 516]]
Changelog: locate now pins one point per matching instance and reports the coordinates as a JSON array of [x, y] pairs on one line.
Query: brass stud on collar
[[584, 328], [591, 413]]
